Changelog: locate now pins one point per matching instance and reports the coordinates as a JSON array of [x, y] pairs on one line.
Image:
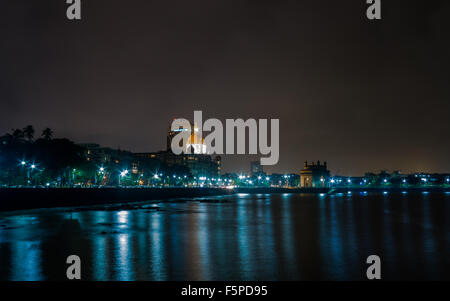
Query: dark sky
[[362, 95]]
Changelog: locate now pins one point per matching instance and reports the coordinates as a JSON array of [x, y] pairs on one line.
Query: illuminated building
[[314, 175], [196, 144], [199, 162]]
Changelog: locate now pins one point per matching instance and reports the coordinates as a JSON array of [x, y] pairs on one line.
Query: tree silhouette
[[17, 134], [47, 133], [28, 132]]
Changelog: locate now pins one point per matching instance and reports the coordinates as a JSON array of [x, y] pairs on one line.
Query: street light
[[29, 171], [122, 174]]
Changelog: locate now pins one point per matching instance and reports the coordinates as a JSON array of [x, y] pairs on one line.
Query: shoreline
[[34, 198]]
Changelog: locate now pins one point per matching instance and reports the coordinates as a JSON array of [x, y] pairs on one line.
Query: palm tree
[[47, 133], [28, 132]]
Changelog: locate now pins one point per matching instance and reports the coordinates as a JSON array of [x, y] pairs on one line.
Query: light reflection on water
[[248, 237]]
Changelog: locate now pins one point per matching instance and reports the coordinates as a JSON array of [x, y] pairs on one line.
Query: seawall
[[31, 198]]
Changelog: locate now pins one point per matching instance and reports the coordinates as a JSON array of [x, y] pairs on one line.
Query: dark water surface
[[245, 237]]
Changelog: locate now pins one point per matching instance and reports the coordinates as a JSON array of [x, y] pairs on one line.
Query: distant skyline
[[361, 95], [247, 159]]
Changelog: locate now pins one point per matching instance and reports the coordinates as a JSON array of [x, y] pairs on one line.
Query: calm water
[[245, 237]]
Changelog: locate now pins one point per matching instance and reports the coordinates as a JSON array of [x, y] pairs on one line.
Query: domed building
[[199, 161], [195, 143]]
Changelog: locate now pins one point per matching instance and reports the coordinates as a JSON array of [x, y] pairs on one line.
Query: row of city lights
[[384, 180], [125, 172]]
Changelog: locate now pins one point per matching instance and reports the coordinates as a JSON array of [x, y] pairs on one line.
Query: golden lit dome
[[195, 139]]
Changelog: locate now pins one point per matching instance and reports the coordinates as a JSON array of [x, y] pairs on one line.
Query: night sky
[[362, 95]]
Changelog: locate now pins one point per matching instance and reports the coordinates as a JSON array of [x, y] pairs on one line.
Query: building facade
[[314, 175], [199, 165], [256, 169]]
